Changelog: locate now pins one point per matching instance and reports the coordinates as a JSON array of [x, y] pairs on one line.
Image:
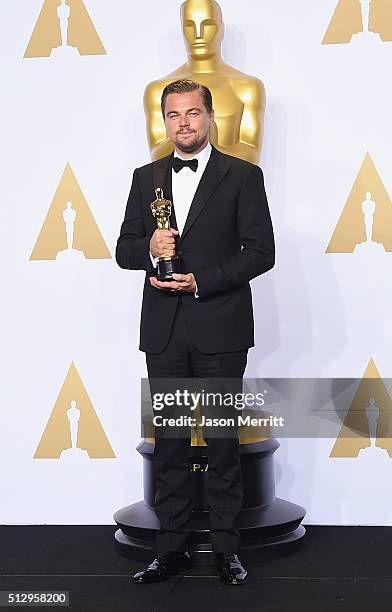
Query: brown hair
[[184, 86]]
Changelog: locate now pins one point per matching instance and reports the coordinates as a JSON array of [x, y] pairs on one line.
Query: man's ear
[[212, 117]]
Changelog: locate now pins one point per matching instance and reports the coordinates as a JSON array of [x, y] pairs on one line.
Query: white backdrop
[[316, 314]]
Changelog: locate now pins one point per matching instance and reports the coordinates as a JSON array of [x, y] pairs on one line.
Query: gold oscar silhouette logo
[[360, 20], [64, 28], [367, 428], [69, 231], [365, 224], [73, 430]]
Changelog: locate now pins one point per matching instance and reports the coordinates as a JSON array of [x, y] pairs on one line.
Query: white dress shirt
[[184, 185]]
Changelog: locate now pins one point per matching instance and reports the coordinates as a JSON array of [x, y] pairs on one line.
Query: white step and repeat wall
[[73, 130]]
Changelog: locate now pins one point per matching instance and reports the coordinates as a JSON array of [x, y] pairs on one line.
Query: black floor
[[337, 569]]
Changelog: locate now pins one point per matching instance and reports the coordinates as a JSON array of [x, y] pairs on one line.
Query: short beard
[[190, 147]]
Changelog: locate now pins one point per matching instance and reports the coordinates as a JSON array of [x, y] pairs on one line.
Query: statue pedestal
[[70, 454], [65, 51], [70, 255], [269, 526], [374, 453], [369, 247], [366, 39]]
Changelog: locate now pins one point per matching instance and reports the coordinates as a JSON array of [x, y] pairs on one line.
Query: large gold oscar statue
[[239, 99]]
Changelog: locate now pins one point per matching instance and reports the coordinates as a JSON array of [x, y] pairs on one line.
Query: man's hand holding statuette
[[162, 242]]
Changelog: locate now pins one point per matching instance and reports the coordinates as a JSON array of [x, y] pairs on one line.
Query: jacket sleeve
[[256, 236], [132, 250]]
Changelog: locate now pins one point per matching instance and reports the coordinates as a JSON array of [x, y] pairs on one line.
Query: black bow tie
[[179, 163]]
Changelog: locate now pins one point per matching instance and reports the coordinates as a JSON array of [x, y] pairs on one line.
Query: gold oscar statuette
[[161, 209]]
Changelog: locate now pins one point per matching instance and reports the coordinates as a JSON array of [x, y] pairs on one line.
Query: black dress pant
[[173, 478]]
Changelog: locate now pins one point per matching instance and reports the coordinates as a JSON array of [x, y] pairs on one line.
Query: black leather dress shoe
[[164, 566], [230, 569]]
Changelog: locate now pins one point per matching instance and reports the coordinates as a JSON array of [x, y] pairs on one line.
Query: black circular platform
[[269, 526]]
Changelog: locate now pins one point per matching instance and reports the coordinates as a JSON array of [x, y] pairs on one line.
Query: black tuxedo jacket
[[227, 240]]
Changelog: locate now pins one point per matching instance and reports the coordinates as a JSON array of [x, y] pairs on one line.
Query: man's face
[[187, 120]]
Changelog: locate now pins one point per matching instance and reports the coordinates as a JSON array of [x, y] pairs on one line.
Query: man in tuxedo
[[201, 323]]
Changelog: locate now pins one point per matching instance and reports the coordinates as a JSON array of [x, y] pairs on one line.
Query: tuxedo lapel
[[162, 177], [214, 172]]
